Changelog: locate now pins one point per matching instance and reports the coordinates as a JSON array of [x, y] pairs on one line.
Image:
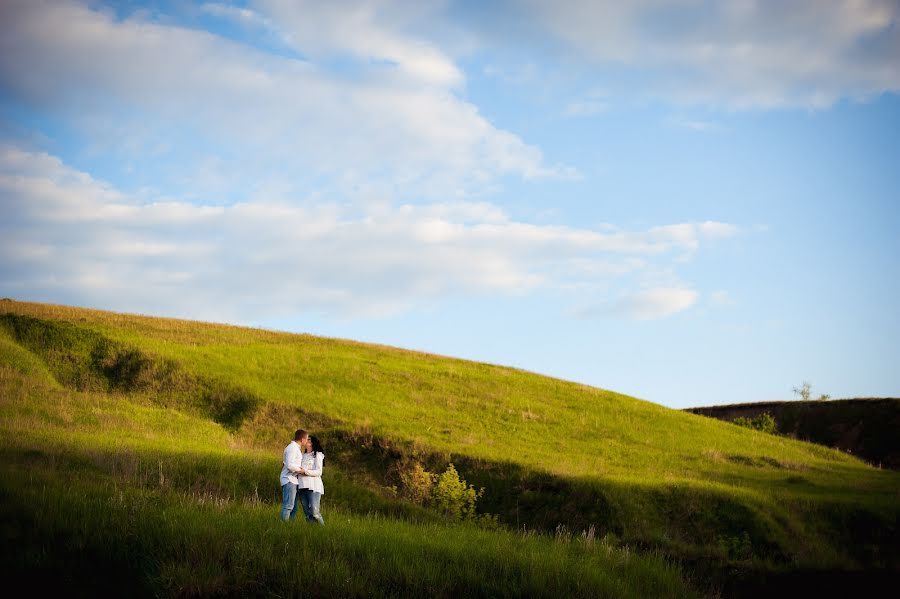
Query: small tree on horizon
[[803, 391]]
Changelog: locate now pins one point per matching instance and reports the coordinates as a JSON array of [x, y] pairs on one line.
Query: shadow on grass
[[84, 360], [96, 535]]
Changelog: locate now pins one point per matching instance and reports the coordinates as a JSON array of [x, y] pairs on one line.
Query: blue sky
[[690, 202]]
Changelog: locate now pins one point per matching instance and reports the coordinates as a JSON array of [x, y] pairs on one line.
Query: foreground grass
[[162, 543]]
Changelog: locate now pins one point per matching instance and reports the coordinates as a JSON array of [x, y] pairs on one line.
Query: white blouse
[[313, 464]]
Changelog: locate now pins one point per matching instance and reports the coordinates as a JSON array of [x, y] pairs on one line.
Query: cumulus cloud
[[66, 235], [393, 123], [366, 30], [647, 304], [738, 53], [657, 303], [344, 176]]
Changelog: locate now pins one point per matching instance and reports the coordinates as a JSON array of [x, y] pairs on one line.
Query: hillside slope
[[552, 455], [107, 496]]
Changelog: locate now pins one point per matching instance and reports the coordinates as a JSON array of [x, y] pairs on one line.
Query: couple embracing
[[301, 478]]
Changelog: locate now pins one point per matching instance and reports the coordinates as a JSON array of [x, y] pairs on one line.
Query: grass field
[[186, 420], [105, 494]]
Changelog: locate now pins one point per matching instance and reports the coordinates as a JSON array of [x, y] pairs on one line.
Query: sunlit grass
[[478, 409]]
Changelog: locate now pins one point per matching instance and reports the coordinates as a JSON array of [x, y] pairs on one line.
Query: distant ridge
[[869, 428]]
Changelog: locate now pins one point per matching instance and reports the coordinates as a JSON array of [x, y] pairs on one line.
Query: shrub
[[737, 548], [447, 493], [488, 521], [764, 422], [227, 405], [418, 483], [453, 497]]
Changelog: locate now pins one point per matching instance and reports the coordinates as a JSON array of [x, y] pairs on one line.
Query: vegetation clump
[[764, 422], [453, 497], [805, 392], [446, 493], [418, 483]]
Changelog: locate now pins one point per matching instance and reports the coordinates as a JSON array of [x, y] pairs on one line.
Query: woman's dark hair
[[317, 445]]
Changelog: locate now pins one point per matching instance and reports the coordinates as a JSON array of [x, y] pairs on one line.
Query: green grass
[[174, 545], [104, 493], [23, 361], [550, 453]]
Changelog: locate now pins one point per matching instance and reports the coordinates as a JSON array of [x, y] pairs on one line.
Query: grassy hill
[[866, 427], [153, 445]]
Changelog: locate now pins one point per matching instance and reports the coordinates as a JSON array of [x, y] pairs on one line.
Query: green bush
[[447, 493], [453, 497], [764, 422], [737, 547]]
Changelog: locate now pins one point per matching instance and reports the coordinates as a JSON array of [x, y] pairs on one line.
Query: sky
[[692, 202]]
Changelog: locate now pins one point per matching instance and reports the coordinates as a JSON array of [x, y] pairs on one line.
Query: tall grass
[[162, 543]]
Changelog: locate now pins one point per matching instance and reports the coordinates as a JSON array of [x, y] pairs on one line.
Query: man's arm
[[320, 462], [292, 457]]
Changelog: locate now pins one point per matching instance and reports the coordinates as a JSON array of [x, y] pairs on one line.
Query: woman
[[310, 487]]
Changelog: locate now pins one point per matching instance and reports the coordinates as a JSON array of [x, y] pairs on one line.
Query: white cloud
[[394, 122], [240, 14], [366, 30], [738, 53], [713, 229], [294, 185], [656, 303], [63, 233], [647, 304]]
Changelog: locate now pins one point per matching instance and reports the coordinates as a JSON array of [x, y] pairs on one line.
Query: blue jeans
[[289, 501], [311, 500]]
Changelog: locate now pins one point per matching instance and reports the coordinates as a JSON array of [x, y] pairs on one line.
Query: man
[[291, 461]]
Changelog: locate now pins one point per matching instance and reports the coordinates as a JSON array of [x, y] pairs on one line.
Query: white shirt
[[313, 464], [291, 463]]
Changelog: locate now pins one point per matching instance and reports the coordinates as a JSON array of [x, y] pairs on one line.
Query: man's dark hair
[[299, 434]]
